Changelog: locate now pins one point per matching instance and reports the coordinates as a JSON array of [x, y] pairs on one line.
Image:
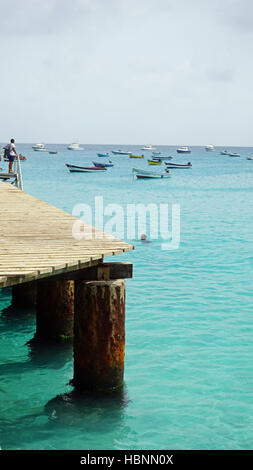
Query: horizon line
[[133, 145]]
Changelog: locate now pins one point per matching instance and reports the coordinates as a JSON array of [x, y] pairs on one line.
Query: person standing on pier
[[12, 154]]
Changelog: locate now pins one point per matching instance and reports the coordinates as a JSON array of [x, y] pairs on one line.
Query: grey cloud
[[220, 74], [236, 14], [48, 17], [31, 17]]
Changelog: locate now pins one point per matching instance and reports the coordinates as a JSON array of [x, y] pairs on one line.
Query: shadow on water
[[92, 418], [5, 294], [21, 323], [13, 318], [92, 410], [50, 354], [41, 356]]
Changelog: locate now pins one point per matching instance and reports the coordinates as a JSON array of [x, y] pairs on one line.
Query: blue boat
[[103, 154], [103, 165]]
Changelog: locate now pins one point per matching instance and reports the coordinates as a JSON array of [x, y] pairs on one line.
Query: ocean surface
[[189, 318]]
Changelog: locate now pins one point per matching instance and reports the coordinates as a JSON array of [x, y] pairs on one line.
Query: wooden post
[[99, 335], [55, 310], [24, 295]]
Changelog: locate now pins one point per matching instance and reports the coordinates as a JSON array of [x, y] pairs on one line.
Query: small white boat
[[183, 150], [75, 146], [38, 146], [210, 148], [143, 174], [249, 158], [224, 152], [148, 147]]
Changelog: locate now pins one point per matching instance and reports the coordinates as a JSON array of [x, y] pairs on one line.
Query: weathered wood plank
[[36, 240]]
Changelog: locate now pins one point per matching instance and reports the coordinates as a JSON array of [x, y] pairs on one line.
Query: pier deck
[[36, 240]]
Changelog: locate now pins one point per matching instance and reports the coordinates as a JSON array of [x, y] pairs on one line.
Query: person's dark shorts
[[11, 158]]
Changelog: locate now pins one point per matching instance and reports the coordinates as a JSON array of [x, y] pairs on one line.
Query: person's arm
[[14, 149]]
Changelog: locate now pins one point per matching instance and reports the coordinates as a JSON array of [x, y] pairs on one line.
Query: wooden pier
[[76, 293]]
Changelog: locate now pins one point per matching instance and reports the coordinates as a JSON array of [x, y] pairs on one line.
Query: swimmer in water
[[144, 238]]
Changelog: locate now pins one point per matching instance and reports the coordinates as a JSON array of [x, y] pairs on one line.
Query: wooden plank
[[36, 240]]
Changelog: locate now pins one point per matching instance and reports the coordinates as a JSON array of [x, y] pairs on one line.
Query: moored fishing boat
[[154, 162], [84, 169], [121, 152], [210, 148], [163, 158], [52, 152], [224, 152], [142, 174], [183, 150], [249, 158], [178, 165], [234, 154], [104, 165], [103, 154], [136, 156]]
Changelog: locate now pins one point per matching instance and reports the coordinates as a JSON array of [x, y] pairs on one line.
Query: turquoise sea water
[[189, 325]]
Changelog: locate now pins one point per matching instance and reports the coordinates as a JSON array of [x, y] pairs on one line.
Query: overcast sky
[[127, 71]]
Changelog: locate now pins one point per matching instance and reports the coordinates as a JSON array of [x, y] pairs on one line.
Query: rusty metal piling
[[99, 335], [55, 310]]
